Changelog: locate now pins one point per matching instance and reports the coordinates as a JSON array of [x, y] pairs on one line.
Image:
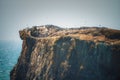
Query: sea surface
[[9, 53]]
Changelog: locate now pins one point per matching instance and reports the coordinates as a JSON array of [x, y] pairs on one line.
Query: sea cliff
[[53, 53]]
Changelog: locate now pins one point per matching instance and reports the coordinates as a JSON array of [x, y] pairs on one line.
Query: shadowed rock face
[[68, 54]]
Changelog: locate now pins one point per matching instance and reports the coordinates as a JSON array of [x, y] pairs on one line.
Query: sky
[[19, 14]]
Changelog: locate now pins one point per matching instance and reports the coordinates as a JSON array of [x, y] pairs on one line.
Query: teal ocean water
[[9, 53]]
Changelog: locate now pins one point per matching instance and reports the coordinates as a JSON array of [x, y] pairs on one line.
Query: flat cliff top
[[96, 34]]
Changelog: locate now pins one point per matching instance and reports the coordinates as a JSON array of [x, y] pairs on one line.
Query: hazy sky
[[18, 14]]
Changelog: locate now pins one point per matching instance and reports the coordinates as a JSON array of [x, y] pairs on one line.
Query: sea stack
[[53, 53]]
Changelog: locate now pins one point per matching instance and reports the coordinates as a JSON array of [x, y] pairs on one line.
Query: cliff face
[[53, 53]]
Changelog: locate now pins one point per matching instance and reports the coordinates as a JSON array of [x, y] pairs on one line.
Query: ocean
[[9, 53]]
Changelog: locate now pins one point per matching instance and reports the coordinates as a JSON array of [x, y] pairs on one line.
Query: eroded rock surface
[[53, 53]]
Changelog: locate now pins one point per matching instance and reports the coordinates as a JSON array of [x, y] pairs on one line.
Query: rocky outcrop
[[53, 53]]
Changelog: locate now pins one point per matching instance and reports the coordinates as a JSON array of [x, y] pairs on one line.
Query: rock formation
[[53, 53]]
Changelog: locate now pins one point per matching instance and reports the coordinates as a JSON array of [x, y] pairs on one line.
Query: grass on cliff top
[[111, 34]]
